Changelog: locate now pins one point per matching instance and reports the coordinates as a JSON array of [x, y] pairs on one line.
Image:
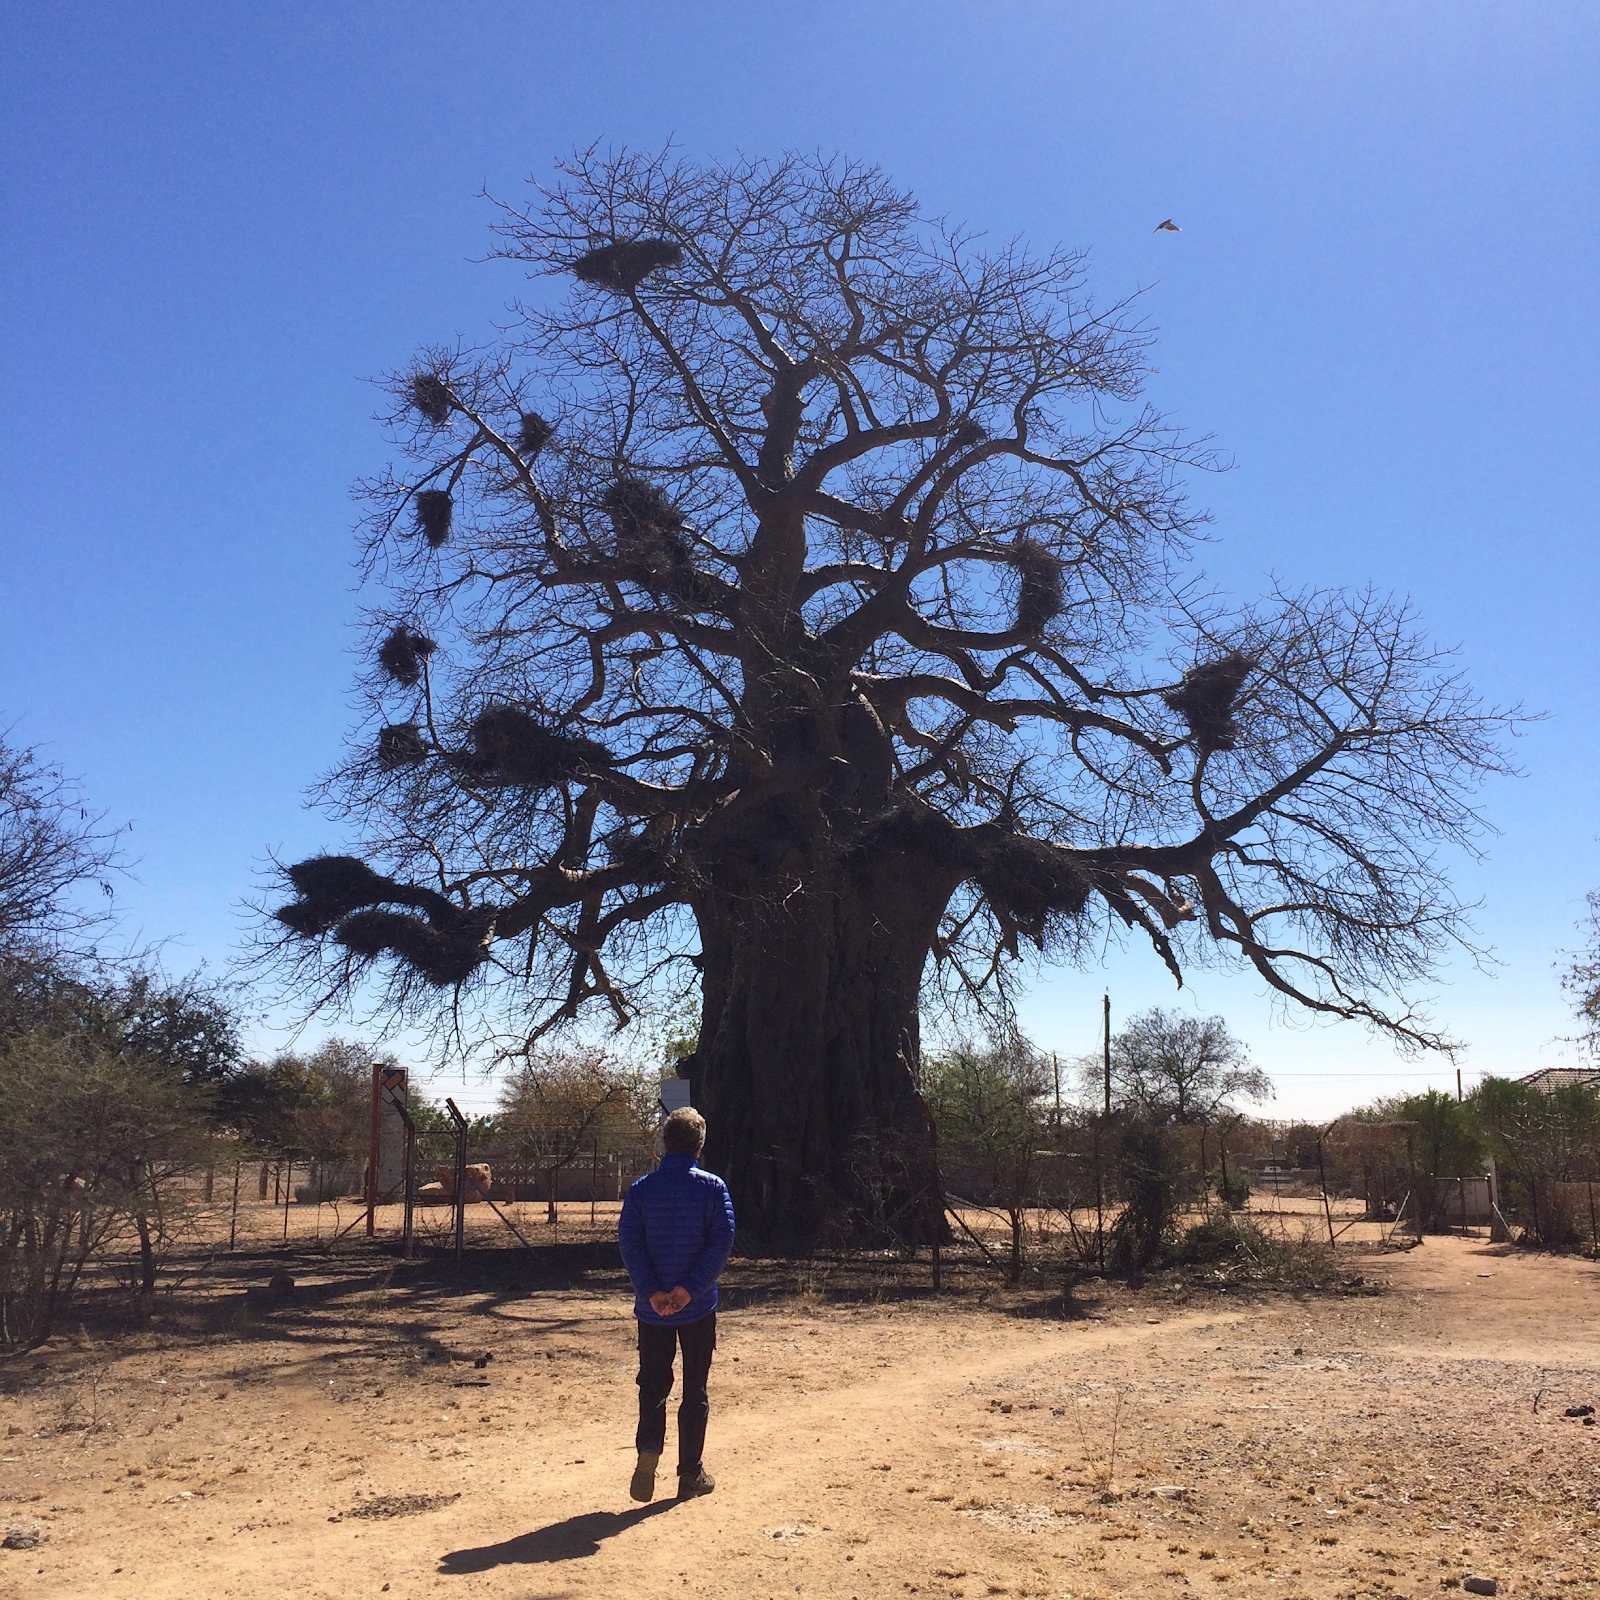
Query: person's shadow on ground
[[567, 1540]]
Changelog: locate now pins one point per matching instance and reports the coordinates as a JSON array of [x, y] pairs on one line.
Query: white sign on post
[[391, 1132], [674, 1096]]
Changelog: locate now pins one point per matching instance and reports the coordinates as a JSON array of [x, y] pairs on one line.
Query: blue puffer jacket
[[676, 1229]]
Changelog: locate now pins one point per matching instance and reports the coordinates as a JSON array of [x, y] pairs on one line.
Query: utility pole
[[1108, 1052], [1458, 1085], [1055, 1063]]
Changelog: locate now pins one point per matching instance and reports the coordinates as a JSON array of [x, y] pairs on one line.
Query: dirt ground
[[1390, 1439]]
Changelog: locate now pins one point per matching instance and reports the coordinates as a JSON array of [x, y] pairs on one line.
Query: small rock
[[1006, 1408], [1579, 1411], [280, 1285], [1588, 1422], [1481, 1585], [1171, 1491], [21, 1539]]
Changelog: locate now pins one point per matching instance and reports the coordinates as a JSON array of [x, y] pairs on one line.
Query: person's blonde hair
[[684, 1132]]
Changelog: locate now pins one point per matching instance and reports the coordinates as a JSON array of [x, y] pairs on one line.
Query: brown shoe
[[699, 1483], [643, 1485]]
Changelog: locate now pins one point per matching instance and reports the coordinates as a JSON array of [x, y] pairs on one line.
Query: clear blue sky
[[221, 220]]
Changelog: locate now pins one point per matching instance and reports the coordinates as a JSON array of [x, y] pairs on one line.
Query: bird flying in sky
[[1169, 226]]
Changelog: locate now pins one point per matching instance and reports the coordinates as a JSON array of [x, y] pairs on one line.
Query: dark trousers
[[657, 1345]]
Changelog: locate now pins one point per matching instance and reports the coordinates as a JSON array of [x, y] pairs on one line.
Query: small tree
[[1170, 1068], [986, 1104], [93, 1142], [315, 1108], [1539, 1141], [564, 1104], [57, 860], [1582, 979], [1447, 1144], [1150, 1177]]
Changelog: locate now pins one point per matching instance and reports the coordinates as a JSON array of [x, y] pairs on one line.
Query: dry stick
[[288, 1195], [460, 1170], [507, 1220], [988, 1255], [1399, 1217], [1322, 1180], [233, 1216]]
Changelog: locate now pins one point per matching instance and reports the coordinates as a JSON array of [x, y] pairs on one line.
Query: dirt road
[[1386, 1441]]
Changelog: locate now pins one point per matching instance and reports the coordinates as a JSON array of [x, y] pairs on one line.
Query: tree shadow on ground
[[571, 1539]]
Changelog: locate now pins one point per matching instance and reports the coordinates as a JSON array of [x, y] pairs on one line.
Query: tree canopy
[[800, 593], [1168, 1067]]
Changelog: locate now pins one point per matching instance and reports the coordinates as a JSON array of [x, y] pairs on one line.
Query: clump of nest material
[[647, 856], [968, 432], [401, 745], [1027, 882], [651, 539], [622, 267], [511, 746], [403, 653], [432, 397], [344, 896], [533, 434], [443, 956], [329, 887], [435, 511], [1206, 698], [1040, 596]]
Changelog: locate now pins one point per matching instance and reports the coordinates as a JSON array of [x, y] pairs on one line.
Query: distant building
[[1547, 1080]]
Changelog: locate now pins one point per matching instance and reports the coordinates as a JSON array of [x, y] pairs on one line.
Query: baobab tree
[[795, 590]]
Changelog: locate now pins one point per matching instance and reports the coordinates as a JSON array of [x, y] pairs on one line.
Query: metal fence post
[[461, 1177]]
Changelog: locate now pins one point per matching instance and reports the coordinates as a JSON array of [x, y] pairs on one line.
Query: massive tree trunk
[[808, 1052]]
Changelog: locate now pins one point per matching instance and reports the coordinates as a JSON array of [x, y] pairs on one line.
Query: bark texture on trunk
[[808, 1050]]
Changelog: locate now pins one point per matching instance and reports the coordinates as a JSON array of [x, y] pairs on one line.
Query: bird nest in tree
[[512, 746], [1039, 594], [432, 397], [329, 887], [1027, 883], [435, 511], [651, 539], [1206, 697], [623, 266], [533, 434], [401, 745], [344, 896], [443, 956], [402, 654]]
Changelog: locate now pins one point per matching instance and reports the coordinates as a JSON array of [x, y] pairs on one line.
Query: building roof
[[1548, 1079]]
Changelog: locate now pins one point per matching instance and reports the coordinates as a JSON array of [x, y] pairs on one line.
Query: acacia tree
[[564, 1105], [793, 590], [1168, 1067]]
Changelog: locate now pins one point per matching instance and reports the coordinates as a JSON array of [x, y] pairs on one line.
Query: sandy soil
[[1389, 1440]]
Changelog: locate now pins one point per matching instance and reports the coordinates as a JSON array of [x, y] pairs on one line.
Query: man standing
[[676, 1231]]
